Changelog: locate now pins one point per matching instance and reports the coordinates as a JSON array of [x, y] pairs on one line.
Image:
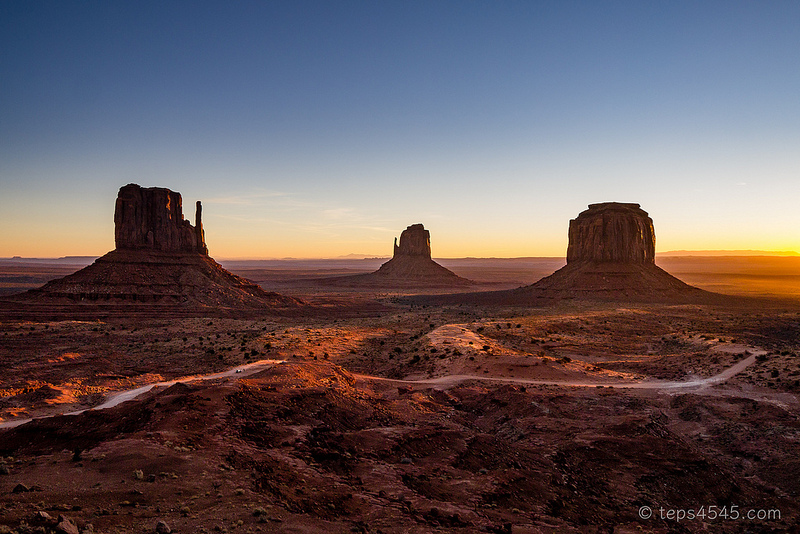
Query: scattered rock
[[163, 528], [66, 526], [43, 518], [20, 488]]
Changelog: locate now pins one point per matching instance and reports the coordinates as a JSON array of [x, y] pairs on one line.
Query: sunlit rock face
[[414, 241], [152, 218], [612, 232]]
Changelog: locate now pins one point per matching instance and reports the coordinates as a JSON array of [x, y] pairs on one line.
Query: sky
[[321, 129]]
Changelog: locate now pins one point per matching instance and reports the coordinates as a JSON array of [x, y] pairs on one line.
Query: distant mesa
[[160, 258], [411, 266], [414, 241]]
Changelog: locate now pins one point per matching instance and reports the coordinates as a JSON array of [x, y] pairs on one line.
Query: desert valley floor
[[368, 410]]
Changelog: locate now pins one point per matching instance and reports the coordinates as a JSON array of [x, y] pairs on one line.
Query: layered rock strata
[[612, 232]]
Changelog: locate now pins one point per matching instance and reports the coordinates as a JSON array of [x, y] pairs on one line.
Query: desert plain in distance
[[391, 413]]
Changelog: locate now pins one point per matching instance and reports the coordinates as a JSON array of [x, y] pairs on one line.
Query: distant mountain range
[[729, 253], [86, 260]]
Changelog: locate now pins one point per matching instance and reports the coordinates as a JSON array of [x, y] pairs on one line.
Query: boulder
[[612, 232], [66, 526], [151, 218]]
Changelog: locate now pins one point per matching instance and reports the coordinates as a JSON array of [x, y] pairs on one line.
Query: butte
[[160, 262], [411, 266], [610, 257]]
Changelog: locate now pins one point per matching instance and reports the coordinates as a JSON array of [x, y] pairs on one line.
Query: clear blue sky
[[318, 129]]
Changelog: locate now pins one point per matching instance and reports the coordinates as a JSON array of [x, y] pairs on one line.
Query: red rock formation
[[152, 218], [612, 232], [414, 241], [611, 256], [161, 259], [412, 260], [411, 266]]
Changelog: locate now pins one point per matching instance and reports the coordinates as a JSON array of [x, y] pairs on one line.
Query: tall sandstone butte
[[611, 256], [612, 232], [411, 266], [152, 218], [159, 258], [414, 241]]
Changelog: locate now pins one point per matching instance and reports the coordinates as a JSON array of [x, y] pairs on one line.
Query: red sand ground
[[310, 446]]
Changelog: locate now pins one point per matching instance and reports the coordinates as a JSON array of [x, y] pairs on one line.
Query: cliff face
[[152, 219], [414, 241], [612, 232]]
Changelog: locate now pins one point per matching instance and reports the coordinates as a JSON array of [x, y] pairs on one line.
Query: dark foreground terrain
[[618, 417]]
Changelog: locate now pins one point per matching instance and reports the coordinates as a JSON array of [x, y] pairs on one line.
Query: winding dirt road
[[122, 396], [442, 382]]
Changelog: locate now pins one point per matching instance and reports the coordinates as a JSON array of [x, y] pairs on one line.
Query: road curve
[[452, 380], [442, 382], [122, 396]]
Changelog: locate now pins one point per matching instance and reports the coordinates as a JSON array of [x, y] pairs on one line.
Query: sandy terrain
[[393, 418]]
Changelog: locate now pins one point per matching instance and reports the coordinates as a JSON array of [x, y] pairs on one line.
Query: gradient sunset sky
[[319, 129]]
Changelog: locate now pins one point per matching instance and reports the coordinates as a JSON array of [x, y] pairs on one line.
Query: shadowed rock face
[[161, 260], [414, 241], [152, 218], [612, 232]]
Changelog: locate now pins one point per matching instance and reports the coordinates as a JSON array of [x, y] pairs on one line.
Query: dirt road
[[442, 382]]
